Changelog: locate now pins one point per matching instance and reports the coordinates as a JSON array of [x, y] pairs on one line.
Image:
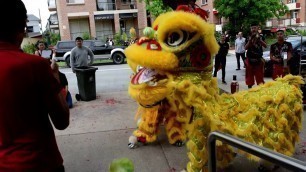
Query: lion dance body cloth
[[173, 84]]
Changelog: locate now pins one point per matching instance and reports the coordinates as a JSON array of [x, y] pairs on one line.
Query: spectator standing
[[62, 77], [240, 49], [280, 53], [110, 42], [254, 62], [41, 47], [220, 59], [79, 57], [29, 102]]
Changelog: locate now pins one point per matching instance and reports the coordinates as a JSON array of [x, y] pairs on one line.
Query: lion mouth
[[146, 75]]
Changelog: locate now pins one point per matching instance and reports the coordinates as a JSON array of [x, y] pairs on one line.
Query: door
[[104, 29], [78, 27]]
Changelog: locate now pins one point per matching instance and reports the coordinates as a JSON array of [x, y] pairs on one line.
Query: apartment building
[[296, 17], [100, 18]]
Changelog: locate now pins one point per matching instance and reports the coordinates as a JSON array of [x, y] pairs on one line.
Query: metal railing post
[[261, 152]]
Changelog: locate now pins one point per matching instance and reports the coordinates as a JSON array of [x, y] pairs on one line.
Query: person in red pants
[[254, 62], [280, 53]]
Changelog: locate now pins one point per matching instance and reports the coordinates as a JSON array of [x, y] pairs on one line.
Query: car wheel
[[67, 60], [118, 58]]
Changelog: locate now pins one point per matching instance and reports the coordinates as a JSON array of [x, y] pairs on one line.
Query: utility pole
[[40, 21]]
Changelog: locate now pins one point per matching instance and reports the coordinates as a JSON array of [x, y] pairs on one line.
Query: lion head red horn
[[187, 6]]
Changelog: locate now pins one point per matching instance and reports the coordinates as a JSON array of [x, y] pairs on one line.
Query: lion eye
[[177, 38]]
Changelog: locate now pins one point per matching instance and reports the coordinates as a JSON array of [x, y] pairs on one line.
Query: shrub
[[117, 39], [86, 36], [29, 48]]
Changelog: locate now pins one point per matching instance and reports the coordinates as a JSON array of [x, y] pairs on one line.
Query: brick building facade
[[100, 19]]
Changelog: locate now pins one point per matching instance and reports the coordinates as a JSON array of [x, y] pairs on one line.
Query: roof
[[32, 17], [34, 34]]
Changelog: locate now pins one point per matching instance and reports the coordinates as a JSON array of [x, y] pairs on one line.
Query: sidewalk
[[232, 71]]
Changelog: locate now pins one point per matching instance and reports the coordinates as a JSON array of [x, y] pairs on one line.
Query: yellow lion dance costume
[[173, 84]]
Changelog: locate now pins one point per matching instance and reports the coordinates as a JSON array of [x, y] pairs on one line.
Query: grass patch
[[96, 62], [61, 64]]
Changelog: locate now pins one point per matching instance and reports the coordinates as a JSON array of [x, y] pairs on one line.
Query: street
[[99, 129]]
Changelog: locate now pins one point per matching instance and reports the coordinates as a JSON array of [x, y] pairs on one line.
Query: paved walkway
[[99, 133]]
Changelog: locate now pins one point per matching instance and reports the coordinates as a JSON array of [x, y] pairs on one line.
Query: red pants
[[278, 71], [256, 71]]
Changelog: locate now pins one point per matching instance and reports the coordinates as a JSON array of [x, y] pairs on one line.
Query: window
[[204, 2], [126, 1], [74, 1], [294, 14], [292, 1], [30, 29], [99, 44], [66, 45]]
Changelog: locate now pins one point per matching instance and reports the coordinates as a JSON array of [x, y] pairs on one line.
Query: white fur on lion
[[133, 139]]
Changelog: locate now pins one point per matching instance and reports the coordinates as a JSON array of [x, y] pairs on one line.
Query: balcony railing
[[294, 6], [105, 6], [125, 5], [75, 1], [283, 22], [51, 5]]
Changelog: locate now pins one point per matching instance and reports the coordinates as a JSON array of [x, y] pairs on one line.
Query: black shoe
[[250, 86], [224, 82], [77, 97], [238, 69]]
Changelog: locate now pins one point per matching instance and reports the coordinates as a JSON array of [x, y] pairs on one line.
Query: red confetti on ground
[[172, 170], [110, 101]]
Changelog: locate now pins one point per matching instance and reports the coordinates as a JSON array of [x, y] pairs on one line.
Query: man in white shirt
[[239, 49]]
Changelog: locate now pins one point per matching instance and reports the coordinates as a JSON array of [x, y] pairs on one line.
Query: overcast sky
[[34, 6]]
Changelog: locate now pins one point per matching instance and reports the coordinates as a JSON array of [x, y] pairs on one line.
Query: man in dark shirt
[[280, 53], [220, 59]]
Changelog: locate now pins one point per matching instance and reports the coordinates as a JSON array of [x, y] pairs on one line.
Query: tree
[[156, 7], [50, 37], [241, 13]]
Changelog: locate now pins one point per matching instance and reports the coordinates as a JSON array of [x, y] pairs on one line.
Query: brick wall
[[142, 17], [302, 13], [213, 18], [63, 9]]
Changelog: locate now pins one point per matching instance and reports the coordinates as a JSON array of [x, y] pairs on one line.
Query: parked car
[[100, 50], [294, 63]]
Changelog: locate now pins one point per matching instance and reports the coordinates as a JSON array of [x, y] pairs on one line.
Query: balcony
[[294, 6], [108, 5], [53, 21], [290, 22], [126, 4], [75, 1], [51, 5], [283, 22]]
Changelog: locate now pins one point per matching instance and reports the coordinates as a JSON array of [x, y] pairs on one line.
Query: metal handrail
[[262, 152]]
